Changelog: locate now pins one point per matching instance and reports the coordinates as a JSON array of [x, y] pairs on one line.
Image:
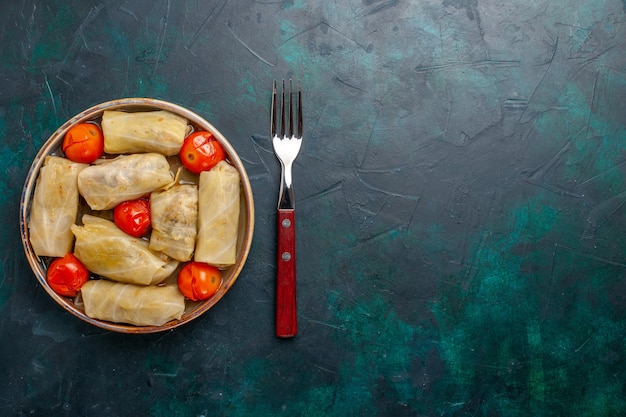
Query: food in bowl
[[135, 216]]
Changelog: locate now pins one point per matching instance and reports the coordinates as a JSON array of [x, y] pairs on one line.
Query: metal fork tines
[[286, 144]]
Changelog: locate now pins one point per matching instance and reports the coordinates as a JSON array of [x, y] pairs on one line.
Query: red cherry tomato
[[67, 275], [133, 216], [199, 281], [201, 152], [83, 143]]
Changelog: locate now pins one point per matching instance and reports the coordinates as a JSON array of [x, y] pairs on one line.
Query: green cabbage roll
[[54, 207], [131, 304], [125, 177], [218, 215], [174, 214], [107, 251], [152, 131]]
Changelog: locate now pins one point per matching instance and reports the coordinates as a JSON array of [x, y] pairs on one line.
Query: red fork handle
[[286, 312]]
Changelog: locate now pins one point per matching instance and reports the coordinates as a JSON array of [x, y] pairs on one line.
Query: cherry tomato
[[199, 281], [83, 143], [201, 152], [133, 216], [67, 275]]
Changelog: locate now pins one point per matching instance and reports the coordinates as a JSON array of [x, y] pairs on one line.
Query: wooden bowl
[[53, 145]]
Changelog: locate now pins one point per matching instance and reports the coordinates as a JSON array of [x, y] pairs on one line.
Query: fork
[[286, 147]]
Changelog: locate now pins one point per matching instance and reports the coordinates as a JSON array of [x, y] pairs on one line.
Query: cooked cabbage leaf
[[151, 131], [174, 214], [54, 207], [218, 215], [107, 251], [125, 177], [132, 304]]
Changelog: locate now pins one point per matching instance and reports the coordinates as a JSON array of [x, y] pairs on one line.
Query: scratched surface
[[460, 198]]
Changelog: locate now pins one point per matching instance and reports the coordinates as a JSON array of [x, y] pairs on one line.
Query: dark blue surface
[[460, 206]]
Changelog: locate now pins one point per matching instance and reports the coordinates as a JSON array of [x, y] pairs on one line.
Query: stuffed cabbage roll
[[174, 215], [54, 207], [218, 215], [107, 251], [151, 131], [132, 304], [125, 177]]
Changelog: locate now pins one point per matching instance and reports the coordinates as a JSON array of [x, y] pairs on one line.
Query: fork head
[[286, 126], [287, 141]]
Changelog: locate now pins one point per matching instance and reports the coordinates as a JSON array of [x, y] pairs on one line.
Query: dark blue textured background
[[460, 201]]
